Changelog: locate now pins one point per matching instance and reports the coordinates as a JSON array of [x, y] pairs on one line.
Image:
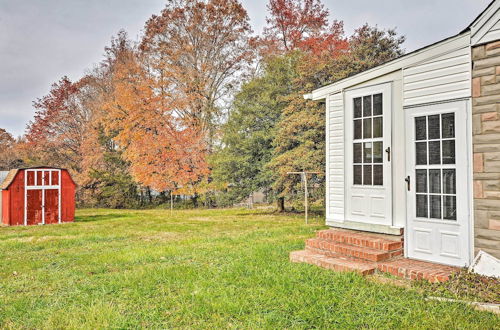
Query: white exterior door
[[368, 153], [438, 205]]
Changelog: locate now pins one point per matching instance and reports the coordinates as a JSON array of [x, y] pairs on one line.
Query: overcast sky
[[43, 40]]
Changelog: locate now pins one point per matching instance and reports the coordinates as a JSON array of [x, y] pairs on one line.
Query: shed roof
[[8, 179]]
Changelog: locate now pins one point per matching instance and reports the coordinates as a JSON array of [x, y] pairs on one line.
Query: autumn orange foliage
[[165, 103]]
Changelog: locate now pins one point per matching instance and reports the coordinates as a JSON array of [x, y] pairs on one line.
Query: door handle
[[388, 150], [408, 182]]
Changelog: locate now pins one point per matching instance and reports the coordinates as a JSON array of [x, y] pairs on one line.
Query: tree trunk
[[280, 203]]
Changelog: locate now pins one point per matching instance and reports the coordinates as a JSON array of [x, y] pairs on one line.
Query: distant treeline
[[200, 106]]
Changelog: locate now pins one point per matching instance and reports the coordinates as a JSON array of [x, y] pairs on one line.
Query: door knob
[[408, 182], [388, 150]]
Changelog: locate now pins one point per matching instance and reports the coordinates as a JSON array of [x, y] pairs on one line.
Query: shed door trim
[[43, 183]]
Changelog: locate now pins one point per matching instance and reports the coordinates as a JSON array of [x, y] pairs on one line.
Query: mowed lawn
[[195, 269]]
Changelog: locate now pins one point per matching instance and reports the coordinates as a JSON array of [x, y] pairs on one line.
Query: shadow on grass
[[99, 217]]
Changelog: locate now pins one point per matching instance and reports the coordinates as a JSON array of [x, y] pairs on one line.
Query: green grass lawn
[[195, 269]]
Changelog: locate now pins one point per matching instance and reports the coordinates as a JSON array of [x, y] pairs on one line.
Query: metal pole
[[171, 203], [306, 191], [306, 198]]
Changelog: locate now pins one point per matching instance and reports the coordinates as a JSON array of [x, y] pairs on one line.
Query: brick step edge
[[337, 264], [365, 253], [360, 239], [417, 270]]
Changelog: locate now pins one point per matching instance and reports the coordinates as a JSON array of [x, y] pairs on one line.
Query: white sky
[[43, 40]]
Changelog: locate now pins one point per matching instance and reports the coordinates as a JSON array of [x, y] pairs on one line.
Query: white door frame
[[41, 186], [463, 165], [386, 188]]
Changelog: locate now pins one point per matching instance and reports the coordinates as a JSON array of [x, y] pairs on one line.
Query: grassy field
[[195, 269]]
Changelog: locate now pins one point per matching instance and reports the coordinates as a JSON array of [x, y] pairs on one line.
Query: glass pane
[[434, 127], [421, 148], [357, 107], [435, 152], [358, 174], [449, 152], [422, 206], [450, 207], [367, 152], [435, 206], [449, 182], [421, 128], [378, 175], [377, 152], [367, 128], [357, 129], [421, 181], [367, 106], [448, 125], [367, 174], [377, 127], [357, 153], [377, 104], [435, 181]]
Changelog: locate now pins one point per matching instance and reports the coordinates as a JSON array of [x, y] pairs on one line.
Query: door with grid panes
[[368, 155], [438, 227]]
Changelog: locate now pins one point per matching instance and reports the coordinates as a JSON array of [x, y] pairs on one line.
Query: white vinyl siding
[[441, 78], [335, 158]]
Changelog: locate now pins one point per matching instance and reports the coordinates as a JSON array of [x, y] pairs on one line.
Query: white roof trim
[[448, 45], [480, 27]]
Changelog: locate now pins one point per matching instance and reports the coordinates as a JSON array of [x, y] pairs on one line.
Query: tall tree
[[164, 150], [371, 46], [255, 156], [10, 152], [58, 129], [106, 178], [196, 52], [166, 101], [247, 142], [300, 25]]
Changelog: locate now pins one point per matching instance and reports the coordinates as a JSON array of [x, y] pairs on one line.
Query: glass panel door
[[438, 183], [435, 170], [368, 137]]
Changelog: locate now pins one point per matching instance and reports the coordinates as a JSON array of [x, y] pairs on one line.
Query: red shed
[[36, 196]]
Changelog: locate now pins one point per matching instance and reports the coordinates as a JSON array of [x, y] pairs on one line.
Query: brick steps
[[364, 253], [417, 270], [361, 239], [338, 263], [347, 250]]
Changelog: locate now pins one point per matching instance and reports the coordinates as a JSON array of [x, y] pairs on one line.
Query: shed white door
[[368, 147], [438, 227]]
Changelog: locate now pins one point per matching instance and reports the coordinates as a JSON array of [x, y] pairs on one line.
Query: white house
[[413, 147]]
